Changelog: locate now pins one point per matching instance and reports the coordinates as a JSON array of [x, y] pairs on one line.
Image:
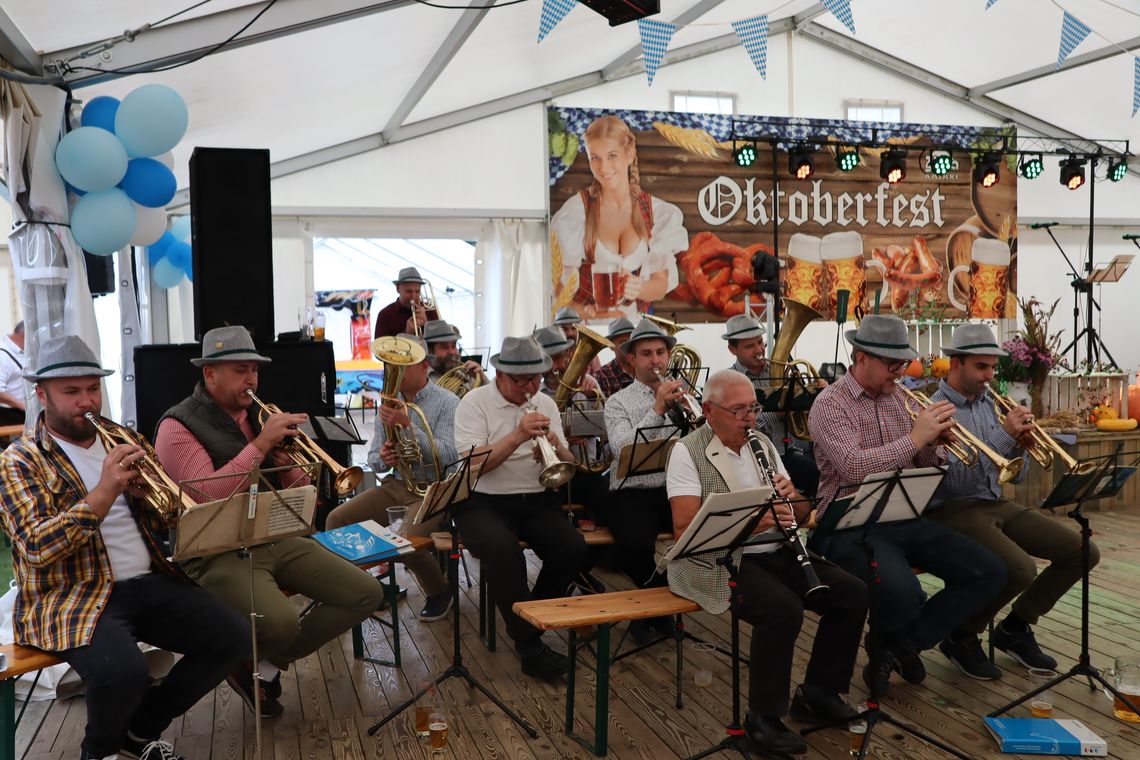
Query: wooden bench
[[20, 661], [602, 610]]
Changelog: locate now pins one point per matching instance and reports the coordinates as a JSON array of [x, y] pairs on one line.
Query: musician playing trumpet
[[716, 458], [861, 426], [970, 501], [92, 576]]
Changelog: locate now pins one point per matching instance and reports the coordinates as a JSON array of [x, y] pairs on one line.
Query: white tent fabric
[[514, 262]]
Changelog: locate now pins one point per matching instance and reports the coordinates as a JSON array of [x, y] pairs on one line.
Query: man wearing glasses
[[638, 508], [509, 505], [860, 426], [716, 458]]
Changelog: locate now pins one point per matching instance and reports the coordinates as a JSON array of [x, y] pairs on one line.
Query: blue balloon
[[158, 249], [178, 254], [149, 183], [91, 159], [74, 190], [100, 112], [165, 274], [151, 120], [181, 228], [190, 271], [103, 223]]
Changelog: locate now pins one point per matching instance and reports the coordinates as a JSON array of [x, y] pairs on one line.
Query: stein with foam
[[609, 285], [803, 277], [1125, 675], [844, 266], [989, 280]]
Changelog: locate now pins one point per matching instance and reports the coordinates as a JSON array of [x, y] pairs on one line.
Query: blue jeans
[[884, 556]]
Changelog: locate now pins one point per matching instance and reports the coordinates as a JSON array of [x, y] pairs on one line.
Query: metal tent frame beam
[[1044, 71], [15, 48]]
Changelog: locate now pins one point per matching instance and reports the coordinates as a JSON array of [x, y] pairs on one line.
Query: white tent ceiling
[[316, 81]]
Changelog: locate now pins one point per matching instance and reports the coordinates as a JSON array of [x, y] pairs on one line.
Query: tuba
[[304, 451], [684, 360], [793, 375], [458, 380], [590, 344], [397, 354], [159, 491]]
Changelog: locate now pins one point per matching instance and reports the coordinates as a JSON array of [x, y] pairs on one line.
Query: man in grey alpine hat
[[860, 426], [970, 501], [93, 578], [406, 314], [442, 341], [503, 419], [216, 431], [567, 320]]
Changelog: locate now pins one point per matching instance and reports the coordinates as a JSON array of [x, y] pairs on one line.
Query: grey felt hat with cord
[[438, 331], [976, 339], [566, 316], [66, 356], [229, 344], [552, 340], [646, 330], [409, 275], [742, 327], [521, 356], [620, 326], [883, 335]]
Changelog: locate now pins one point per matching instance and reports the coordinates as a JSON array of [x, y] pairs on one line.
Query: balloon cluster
[[118, 165], [170, 256]]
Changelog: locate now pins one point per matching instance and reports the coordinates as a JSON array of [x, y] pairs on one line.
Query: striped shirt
[[438, 406], [63, 573], [979, 482], [627, 411], [857, 435]]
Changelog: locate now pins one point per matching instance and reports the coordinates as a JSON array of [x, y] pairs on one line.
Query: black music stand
[[884, 497], [1105, 480], [454, 490], [646, 456], [724, 531]]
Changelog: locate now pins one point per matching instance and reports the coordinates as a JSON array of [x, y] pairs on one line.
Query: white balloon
[[166, 159], [150, 224]]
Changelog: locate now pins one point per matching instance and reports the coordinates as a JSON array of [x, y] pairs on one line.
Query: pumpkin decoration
[[915, 369], [940, 367], [1113, 425], [1102, 412]]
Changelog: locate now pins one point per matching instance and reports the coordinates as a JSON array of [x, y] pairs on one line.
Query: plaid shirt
[[63, 573], [857, 435], [612, 378]]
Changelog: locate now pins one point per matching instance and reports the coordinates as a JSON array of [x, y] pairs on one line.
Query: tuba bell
[[684, 360], [397, 354], [590, 344], [793, 377]]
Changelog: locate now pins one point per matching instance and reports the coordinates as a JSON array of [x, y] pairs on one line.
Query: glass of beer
[[1041, 704], [1126, 678], [842, 255], [318, 326], [803, 276], [857, 733], [609, 285], [989, 280], [437, 733]]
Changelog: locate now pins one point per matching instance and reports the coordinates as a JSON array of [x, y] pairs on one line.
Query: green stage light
[[941, 162], [847, 158], [1117, 168], [1032, 166], [745, 155]]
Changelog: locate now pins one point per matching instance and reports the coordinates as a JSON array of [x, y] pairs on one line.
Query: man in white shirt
[[509, 504], [12, 363], [716, 458]]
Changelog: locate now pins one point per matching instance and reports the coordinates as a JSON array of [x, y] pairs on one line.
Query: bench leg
[[393, 593], [600, 747], [678, 628], [8, 719]]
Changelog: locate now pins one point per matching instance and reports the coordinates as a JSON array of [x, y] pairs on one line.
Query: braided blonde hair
[[614, 128]]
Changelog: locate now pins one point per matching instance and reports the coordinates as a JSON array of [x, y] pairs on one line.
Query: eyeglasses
[[892, 365], [524, 379], [740, 412]]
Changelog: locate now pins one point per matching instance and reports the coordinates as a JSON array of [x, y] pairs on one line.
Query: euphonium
[[797, 315], [555, 472], [684, 360], [459, 380], [159, 491], [968, 446], [397, 354], [304, 451], [1042, 446]]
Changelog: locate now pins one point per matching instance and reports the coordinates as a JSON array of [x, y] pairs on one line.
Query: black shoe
[[436, 607], [272, 687], [967, 655], [1021, 646], [881, 662], [85, 755], [910, 666], [768, 734], [149, 750], [241, 681], [816, 706], [540, 661]]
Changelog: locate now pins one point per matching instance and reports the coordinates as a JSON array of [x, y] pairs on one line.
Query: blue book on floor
[[1045, 736], [364, 542]]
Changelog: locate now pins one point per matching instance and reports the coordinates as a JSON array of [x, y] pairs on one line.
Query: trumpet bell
[[556, 474]]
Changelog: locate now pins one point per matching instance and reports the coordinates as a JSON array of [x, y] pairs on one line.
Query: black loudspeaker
[[301, 378], [100, 273], [232, 229]]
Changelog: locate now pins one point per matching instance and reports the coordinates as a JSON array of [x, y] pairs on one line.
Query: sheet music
[[284, 511], [702, 531], [919, 484]]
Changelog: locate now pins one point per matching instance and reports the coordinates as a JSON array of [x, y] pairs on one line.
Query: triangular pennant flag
[[553, 11], [841, 9], [989, 4], [753, 34], [655, 36], [1073, 33], [1136, 86]]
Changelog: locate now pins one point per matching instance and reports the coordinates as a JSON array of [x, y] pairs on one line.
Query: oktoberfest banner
[[649, 211]]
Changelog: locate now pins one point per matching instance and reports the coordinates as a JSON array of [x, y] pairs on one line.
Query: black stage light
[[1031, 166], [801, 163], [847, 158], [892, 165], [745, 155], [1073, 172], [1118, 168], [941, 162], [986, 169]]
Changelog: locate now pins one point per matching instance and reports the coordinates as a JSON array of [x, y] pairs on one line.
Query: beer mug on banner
[[989, 280], [803, 277], [1125, 675], [843, 263], [609, 284]]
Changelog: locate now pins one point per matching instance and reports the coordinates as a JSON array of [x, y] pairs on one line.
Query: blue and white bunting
[[753, 34], [989, 4], [841, 9], [1073, 33], [1135, 86], [655, 37], [553, 11]]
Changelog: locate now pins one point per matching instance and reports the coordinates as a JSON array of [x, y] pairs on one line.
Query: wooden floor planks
[[331, 699]]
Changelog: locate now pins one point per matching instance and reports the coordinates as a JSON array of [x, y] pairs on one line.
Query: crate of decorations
[[1092, 395]]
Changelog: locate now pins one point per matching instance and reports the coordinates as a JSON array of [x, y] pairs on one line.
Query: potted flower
[[1032, 352]]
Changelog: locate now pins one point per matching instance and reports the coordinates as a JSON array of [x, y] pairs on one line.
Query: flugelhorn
[[968, 447], [686, 404], [159, 491], [555, 472], [1042, 446], [304, 451]]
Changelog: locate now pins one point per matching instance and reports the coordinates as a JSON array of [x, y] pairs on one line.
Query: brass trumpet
[[303, 450], [1042, 447], [159, 490], [555, 472], [686, 404], [968, 446]]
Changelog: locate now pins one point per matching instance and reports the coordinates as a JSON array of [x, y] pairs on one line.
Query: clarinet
[[791, 534]]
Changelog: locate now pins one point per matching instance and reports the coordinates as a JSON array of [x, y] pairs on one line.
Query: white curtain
[[513, 280]]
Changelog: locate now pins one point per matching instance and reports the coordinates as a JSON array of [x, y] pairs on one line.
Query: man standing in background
[[11, 376]]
